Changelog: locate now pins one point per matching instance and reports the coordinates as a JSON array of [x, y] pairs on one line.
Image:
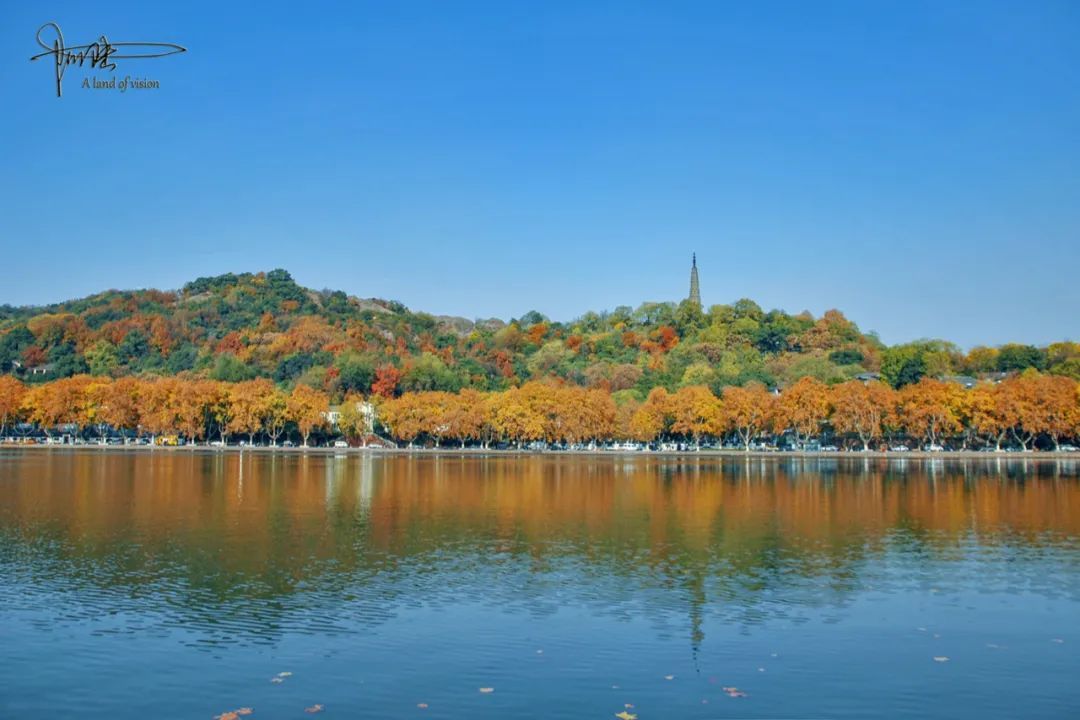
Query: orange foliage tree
[[861, 409], [802, 408], [12, 394], [308, 408], [930, 408], [746, 411]]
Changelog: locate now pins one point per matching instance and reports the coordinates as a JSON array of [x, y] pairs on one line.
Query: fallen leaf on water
[[704, 701], [487, 690], [1059, 641], [277, 680], [422, 706], [936, 635], [614, 687], [626, 715], [940, 658], [734, 692], [669, 677], [921, 629], [227, 715], [539, 652], [244, 711], [761, 669], [284, 674], [314, 709]]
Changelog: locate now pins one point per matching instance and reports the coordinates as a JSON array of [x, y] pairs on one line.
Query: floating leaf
[[314, 709], [734, 692], [1059, 641], [422, 706], [244, 711], [940, 658], [625, 715], [628, 706], [487, 690], [227, 715], [669, 677], [277, 680], [284, 674]]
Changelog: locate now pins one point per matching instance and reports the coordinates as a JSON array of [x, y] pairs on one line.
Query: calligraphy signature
[[99, 54]]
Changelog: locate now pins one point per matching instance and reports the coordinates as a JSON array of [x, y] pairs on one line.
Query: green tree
[[102, 358]]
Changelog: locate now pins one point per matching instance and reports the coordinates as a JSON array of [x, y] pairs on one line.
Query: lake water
[[184, 584]]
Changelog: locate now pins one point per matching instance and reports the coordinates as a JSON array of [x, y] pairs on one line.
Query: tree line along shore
[[1025, 411]]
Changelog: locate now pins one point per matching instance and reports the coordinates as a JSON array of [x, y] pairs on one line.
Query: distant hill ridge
[[239, 326]]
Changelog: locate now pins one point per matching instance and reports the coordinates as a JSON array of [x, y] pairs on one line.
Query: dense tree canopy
[[242, 327]]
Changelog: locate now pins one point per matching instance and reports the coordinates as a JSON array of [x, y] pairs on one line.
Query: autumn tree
[[194, 402], [386, 382], [275, 414], [61, 402], [159, 406], [983, 414], [746, 411], [802, 408], [930, 408], [248, 402], [467, 416], [351, 421], [652, 419], [695, 412], [1057, 403], [308, 408], [12, 394], [861, 409]]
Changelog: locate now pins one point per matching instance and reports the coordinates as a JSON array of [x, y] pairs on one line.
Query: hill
[[236, 327]]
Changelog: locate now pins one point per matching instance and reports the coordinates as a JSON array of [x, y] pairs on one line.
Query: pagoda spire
[[695, 290]]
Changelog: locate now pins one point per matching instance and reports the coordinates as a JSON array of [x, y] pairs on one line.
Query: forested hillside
[[240, 327]]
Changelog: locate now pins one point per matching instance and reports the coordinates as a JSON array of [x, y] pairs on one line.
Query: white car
[[934, 448], [899, 448], [340, 444]]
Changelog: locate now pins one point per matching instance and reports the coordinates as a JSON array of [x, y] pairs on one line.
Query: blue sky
[[915, 164]]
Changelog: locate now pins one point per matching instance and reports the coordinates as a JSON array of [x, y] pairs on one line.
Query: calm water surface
[[180, 584]]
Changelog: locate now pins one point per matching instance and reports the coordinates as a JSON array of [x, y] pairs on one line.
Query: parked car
[[899, 448], [1068, 448], [340, 444], [829, 448], [932, 447]]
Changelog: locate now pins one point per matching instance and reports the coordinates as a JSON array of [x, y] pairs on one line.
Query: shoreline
[[509, 452]]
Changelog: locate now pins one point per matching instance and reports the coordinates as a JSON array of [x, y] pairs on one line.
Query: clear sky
[[915, 164]]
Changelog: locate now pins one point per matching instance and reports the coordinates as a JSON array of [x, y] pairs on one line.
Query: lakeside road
[[510, 452]]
